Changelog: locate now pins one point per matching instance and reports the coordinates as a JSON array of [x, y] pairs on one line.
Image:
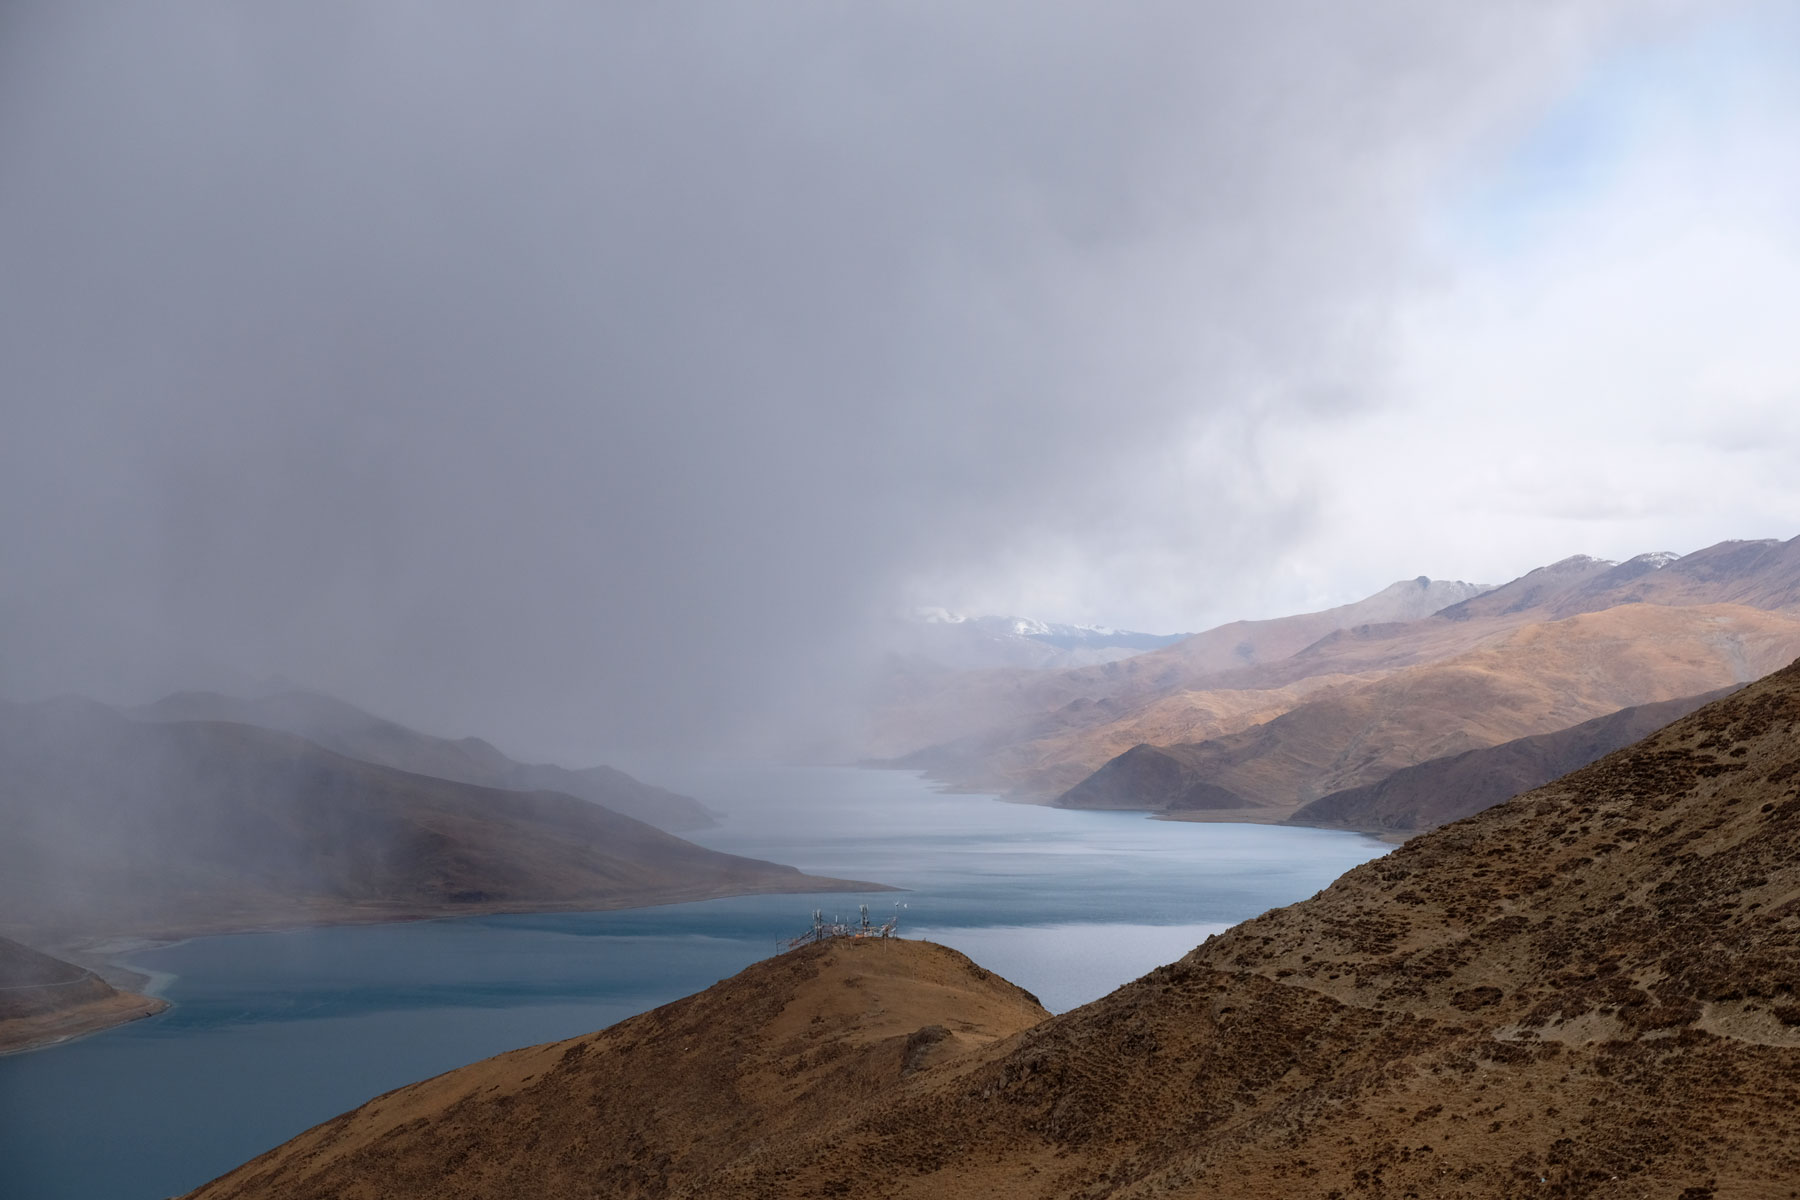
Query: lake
[[270, 1033]]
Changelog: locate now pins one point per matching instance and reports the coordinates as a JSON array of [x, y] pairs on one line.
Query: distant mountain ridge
[[1298, 694], [340, 726], [1533, 678], [1022, 730]]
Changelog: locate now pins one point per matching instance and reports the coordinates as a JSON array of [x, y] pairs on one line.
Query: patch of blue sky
[[1576, 153]]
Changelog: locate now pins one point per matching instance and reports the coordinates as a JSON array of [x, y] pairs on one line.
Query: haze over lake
[[274, 1032]]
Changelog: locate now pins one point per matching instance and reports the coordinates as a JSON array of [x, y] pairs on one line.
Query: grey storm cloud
[[585, 373]]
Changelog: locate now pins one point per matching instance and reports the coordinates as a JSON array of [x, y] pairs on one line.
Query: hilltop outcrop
[[662, 1103], [1590, 990]]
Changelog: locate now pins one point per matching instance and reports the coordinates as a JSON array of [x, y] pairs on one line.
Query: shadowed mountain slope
[[1435, 793], [125, 826], [350, 731], [45, 1000], [1535, 679], [1592, 990]]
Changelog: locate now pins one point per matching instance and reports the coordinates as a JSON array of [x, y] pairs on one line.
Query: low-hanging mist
[[585, 376]]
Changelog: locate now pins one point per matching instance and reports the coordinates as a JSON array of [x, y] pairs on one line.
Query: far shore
[[19, 1035], [138, 990]]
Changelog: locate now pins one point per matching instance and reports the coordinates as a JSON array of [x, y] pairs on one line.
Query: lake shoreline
[[96, 951], [26, 1035], [141, 992], [274, 1030]]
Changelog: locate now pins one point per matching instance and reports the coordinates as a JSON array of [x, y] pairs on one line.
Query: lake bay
[[270, 1033]]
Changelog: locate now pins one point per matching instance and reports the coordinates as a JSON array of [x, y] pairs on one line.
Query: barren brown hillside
[[659, 1104], [1044, 730], [1592, 990], [1536, 679], [1036, 734], [1447, 789]]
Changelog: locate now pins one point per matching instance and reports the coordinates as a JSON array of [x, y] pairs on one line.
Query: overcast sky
[[580, 374]]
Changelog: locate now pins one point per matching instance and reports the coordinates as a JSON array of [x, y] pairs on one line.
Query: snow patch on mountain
[[968, 640]]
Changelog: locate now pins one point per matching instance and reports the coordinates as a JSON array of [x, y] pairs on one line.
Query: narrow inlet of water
[[271, 1033]]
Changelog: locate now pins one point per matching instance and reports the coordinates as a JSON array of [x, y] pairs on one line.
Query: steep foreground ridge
[[663, 1102], [45, 1000], [1590, 990]]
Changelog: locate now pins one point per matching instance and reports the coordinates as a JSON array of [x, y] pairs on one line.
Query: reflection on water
[[271, 1033]]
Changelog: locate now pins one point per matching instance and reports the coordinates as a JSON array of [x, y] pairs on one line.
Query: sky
[[589, 375]]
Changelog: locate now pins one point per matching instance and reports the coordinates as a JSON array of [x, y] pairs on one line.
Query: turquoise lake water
[[271, 1033]]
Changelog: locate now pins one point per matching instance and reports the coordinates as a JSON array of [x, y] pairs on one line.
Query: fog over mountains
[[594, 377], [207, 814], [1290, 407], [1253, 720]]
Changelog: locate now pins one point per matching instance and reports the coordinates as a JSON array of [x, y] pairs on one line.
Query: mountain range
[[336, 725], [157, 827], [1590, 990], [1257, 720]]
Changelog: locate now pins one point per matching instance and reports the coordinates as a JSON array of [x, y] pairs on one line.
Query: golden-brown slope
[[1036, 734], [1039, 732], [1537, 679], [659, 1103], [1592, 990]]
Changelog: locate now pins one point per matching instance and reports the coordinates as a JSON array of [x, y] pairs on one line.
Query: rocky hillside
[[1447, 789], [664, 1102], [1592, 990]]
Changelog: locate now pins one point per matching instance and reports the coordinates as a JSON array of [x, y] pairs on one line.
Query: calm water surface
[[271, 1033]]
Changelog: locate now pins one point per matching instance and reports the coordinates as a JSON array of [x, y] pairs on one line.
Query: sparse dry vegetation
[[1590, 990]]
